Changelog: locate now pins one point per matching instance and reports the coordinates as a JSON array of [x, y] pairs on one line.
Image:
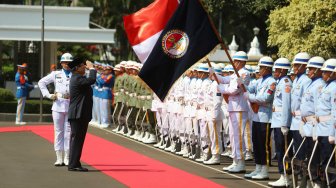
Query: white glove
[[122, 90], [211, 71], [36, 86], [284, 130], [116, 94], [314, 133], [149, 97], [52, 97], [220, 88], [246, 95], [127, 92], [331, 139]]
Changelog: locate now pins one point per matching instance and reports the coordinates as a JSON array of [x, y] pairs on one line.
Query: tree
[[304, 25], [239, 17]]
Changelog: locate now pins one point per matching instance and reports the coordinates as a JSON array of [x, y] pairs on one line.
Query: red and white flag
[[144, 27]]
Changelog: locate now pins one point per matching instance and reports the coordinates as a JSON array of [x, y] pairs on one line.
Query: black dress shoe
[[78, 169]]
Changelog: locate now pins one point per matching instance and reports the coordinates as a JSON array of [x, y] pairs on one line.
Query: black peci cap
[[75, 62]]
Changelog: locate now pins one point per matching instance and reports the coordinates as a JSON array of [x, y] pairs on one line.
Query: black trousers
[[78, 132], [280, 147], [261, 135], [297, 138]]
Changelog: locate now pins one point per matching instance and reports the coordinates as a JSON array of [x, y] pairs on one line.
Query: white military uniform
[[238, 116], [213, 104], [60, 107]]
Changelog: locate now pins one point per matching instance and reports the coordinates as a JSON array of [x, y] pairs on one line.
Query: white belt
[[296, 113], [20, 87], [63, 96], [321, 119], [106, 88], [276, 109], [311, 118]]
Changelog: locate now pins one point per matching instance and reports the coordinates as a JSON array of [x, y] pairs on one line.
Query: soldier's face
[[239, 64], [277, 73], [299, 68], [314, 72], [225, 74], [257, 75], [264, 71], [21, 71], [327, 76], [65, 65]]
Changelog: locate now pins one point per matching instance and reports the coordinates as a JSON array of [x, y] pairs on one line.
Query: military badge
[[175, 43], [287, 89]]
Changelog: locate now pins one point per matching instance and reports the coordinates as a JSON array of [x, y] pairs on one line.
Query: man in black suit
[[80, 109]]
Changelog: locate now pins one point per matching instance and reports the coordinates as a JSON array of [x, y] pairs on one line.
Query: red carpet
[[124, 165]]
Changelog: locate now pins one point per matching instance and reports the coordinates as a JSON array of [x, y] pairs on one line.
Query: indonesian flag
[[144, 27]]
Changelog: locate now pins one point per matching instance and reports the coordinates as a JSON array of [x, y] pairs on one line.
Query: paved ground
[[27, 161]]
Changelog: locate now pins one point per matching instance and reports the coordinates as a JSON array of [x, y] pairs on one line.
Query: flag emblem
[[175, 43]]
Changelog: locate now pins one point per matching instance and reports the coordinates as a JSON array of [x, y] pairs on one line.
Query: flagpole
[[222, 46]]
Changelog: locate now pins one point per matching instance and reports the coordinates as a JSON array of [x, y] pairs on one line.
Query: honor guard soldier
[[325, 130], [238, 110], [23, 88], [106, 80], [281, 117], [202, 112], [125, 91], [261, 97], [226, 135], [307, 108], [213, 106], [301, 81], [61, 99], [95, 97], [119, 94]]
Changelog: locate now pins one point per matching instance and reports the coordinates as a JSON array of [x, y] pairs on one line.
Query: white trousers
[[237, 128], [215, 136], [204, 135], [95, 110], [188, 123], [105, 112], [20, 109], [248, 136], [62, 131]]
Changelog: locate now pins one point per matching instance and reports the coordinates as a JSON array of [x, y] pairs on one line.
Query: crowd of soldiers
[[218, 110]]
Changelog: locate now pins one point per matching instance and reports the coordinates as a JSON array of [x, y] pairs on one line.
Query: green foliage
[[6, 95], [31, 107], [304, 25]]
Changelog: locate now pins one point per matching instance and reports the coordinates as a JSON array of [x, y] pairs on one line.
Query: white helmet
[[316, 62], [123, 64], [66, 57], [266, 62], [241, 55], [129, 64], [329, 65], [248, 68], [229, 68], [282, 63], [204, 67], [217, 68], [222, 65], [117, 67], [301, 58]]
